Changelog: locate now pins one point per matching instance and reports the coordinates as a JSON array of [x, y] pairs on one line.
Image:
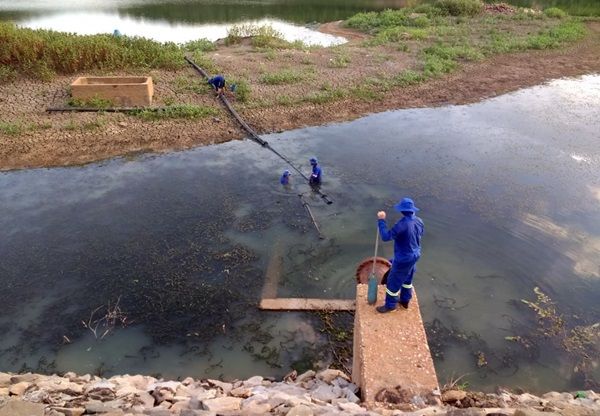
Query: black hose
[[255, 137]]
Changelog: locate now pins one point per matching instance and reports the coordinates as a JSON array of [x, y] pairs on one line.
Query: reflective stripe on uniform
[[407, 286], [393, 294]]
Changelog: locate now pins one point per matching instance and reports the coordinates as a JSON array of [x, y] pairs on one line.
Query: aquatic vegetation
[[338, 328]]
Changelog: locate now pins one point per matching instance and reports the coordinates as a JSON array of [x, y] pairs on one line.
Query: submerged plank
[[303, 304]]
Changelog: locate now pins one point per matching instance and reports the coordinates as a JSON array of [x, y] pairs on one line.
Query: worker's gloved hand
[[381, 215]]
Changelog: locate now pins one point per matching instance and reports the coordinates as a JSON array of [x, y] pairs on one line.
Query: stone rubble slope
[[327, 393]]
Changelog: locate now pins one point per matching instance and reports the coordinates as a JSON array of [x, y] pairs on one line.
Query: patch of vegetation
[[242, 89], [264, 37], [204, 62], [7, 74], [555, 13], [202, 45], [285, 76], [184, 111], [340, 60], [326, 95], [10, 129], [408, 77], [95, 102], [460, 7], [555, 37], [44, 53], [189, 84]]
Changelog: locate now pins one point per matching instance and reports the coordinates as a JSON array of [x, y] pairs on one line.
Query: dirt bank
[[32, 138]]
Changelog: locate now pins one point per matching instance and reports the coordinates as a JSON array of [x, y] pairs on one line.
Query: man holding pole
[[406, 234]]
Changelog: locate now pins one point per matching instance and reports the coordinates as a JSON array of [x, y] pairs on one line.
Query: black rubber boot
[[383, 309], [404, 305]]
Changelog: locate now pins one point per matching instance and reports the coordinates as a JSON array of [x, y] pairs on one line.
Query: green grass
[[95, 102], [182, 111], [242, 89], [10, 129], [285, 76], [460, 7], [202, 45], [44, 53], [408, 77], [204, 62], [555, 12], [341, 59], [7, 74], [190, 83]]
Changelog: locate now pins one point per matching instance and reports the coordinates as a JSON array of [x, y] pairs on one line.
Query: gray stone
[[95, 406], [157, 412], [19, 408], [529, 399], [145, 398], [171, 385], [323, 393], [179, 406], [300, 410], [190, 412], [243, 392], [349, 394], [5, 380], [452, 396], [254, 407], [466, 412], [222, 404], [253, 381]]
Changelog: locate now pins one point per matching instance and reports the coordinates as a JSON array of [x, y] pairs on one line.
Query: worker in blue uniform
[[285, 178], [218, 83], [317, 173], [406, 234]]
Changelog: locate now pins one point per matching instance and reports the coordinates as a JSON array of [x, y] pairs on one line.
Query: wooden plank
[[304, 304], [274, 271]]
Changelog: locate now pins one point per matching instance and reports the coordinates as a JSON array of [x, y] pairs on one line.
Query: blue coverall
[[285, 178], [406, 234], [217, 82], [315, 178]]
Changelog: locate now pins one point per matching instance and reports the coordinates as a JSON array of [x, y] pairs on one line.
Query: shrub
[[408, 77], [43, 53], [460, 7], [371, 20], [202, 45], [420, 21], [7, 74], [242, 90], [555, 12]]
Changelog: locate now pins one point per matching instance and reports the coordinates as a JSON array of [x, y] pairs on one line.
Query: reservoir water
[[176, 246], [184, 20]]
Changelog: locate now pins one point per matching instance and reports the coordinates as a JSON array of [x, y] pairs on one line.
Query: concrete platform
[[121, 91], [390, 349], [307, 304]]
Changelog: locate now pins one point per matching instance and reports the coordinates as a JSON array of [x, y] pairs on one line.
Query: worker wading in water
[[316, 176], [406, 234]]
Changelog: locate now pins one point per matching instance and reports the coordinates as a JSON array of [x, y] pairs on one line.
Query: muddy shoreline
[[67, 139]]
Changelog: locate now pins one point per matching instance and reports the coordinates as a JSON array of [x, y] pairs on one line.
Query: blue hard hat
[[286, 173], [406, 204], [313, 161]]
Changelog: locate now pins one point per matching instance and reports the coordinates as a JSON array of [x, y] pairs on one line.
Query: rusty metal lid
[[382, 265]]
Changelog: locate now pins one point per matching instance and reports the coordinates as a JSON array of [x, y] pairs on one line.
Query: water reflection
[[186, 239]]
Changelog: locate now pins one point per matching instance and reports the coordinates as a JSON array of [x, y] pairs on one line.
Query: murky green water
[[510, 195], [181, 21]]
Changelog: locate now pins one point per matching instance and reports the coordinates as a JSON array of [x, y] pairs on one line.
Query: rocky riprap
[[328, 392]]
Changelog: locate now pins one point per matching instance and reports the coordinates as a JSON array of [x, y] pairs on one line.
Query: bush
[[421, 21], [555, 12], [373, 20], [460, 7], [43, 53], [242, 90], [408, 77], [202, 45], [10, 129]]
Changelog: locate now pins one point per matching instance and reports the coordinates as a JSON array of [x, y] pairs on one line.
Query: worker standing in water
[[406, 234], [285, 178], [317, 173]]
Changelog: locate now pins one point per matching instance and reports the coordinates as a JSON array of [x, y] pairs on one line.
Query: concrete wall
[[122, 91]]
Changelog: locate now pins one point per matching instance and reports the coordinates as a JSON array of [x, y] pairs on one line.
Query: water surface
[[181, 21], [510, 194]]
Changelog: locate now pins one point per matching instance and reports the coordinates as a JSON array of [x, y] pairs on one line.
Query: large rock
[[5, 380], [350, 407], [226, 387], [323, 393], [19, 388], [330, 374], [222, 404], [452, 396], [305, 376], [467, 412], [300, 410], [191, 412], [96, 406], [28, 377], [70, 411], [255, 408], [253, 381], [19, 408]]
